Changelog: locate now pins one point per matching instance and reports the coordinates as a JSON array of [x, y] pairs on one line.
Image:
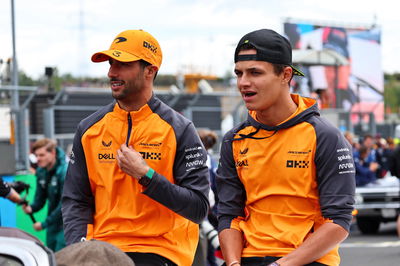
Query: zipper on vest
[[129, 129]]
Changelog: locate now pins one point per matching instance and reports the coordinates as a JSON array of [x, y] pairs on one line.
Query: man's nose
[[243, 80], [112, 71]]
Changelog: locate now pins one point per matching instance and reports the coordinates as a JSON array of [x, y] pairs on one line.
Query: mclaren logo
[[151, 155], [105, 144], [244, 151], [299, 152], [120, 39], [297, 164], [150, 144]]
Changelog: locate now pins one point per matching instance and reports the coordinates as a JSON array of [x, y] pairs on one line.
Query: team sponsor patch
[[107, 157], [297, 164], [150, 155], [345, 161], [194, 158]]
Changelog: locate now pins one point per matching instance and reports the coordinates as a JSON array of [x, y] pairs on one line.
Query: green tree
[[25, 80], [392, 93]]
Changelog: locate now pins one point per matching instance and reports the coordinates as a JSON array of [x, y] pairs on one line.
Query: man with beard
[[137, 177]]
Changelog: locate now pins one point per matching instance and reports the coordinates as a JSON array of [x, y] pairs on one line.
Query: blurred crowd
[[375, 157]]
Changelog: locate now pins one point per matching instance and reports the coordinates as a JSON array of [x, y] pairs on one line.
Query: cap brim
[[297, 72], [115, 54]]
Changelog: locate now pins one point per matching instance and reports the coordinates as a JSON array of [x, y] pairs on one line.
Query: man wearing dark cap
[[286, 176], [137, 177]]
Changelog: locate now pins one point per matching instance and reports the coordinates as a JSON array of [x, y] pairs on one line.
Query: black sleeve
[[231, 192], [335, 174], [4, 188], [77, 199], [394, 162], [189, 195]]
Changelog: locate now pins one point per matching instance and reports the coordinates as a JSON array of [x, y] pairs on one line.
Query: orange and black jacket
[[102, 202], [279, 184]]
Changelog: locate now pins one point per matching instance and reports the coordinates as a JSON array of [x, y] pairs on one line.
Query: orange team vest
[[123, 215], [278, 173]]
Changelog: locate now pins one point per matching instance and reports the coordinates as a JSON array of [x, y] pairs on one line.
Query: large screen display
[[354, 82]]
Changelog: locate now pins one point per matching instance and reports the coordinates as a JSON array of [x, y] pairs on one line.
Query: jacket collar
[[138, 115]]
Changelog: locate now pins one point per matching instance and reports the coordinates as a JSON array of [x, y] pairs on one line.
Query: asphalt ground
[[381, 249]]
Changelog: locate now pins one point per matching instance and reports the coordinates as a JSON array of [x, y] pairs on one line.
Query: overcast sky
[[195, 35]]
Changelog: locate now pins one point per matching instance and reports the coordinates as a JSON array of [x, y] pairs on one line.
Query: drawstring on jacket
[[251, 135]]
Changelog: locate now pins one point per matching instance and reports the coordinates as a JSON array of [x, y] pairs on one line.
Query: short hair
[[368, 136], [390, 141], [143, 64], [45, 142], [208, 137], [278, 68]]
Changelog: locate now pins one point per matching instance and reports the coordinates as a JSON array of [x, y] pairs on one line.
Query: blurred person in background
[[369, 142], [209, 139], [384, 151], [208, 227], [365, 171], [350, 138], [50, 173]]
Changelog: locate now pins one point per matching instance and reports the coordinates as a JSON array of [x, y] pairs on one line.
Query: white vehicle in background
[[377, 203]]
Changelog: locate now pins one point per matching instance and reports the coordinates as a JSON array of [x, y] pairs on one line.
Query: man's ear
[[151, 71], [287, 74]]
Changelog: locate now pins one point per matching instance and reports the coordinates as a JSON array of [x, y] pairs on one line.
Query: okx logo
[[151, 155], [149, 46], [297, 164]]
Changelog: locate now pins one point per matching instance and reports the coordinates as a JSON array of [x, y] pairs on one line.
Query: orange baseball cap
[[132, 45]]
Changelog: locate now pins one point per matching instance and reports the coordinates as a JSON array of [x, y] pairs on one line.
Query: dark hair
[[208, 137], [143, 64], [278, 68], [367, 136]]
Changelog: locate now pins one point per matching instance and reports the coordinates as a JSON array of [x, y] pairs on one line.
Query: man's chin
[[118, 96], [250, 107]]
